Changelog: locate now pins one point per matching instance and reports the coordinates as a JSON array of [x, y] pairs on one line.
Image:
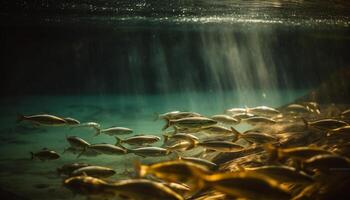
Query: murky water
[[119, 62]]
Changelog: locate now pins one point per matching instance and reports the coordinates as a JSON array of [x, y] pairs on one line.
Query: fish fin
[[20, 118], [246, 109], [32, 156], [118, 141]]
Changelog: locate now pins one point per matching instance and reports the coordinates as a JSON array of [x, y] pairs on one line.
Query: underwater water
[[118, 63]]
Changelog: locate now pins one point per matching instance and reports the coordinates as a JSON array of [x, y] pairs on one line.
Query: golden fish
[[283, 174], [325, 123], [244, 185], [172, 171], [299, 153]]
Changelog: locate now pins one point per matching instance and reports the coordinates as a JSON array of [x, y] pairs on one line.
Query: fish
[[257, 137], [298, 153], [200, 161], [115, 131], [94, 171], [327, 163], [67, 169], [233, 111], [42, 119], [182, 136], [107, 149], [260, 121], [94, 125], [77, 142], [220, 130], [180, 146], [167, 115], [243, 116], [313, 107], [143, 189], [244, 185], [178, 171], [282, 174], [225, 119], [178, 115], [45, 154], [263, 110], [149, 151], [191, 122], [345, 114], [90, 186], [221, 146], [297, 108], [138, 140], [71, 121], [341, 131], [325, 124]]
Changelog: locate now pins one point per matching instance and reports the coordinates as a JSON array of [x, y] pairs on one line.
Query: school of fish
[[298, 151]]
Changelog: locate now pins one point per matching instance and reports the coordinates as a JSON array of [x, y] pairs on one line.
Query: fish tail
[[32, 156], [166, 138], [236, 133], [273, 152], [118, 141], [305, 122], [82, 152], [126, 149], [98, 131], [167, 125], [176, 130], [20, 118]]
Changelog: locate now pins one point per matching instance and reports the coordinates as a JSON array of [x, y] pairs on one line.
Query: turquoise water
[[33, 179]]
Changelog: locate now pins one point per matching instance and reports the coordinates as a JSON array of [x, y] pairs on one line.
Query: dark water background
[[157, 47]]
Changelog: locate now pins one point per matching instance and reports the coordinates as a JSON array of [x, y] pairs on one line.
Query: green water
[[35, 179]]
